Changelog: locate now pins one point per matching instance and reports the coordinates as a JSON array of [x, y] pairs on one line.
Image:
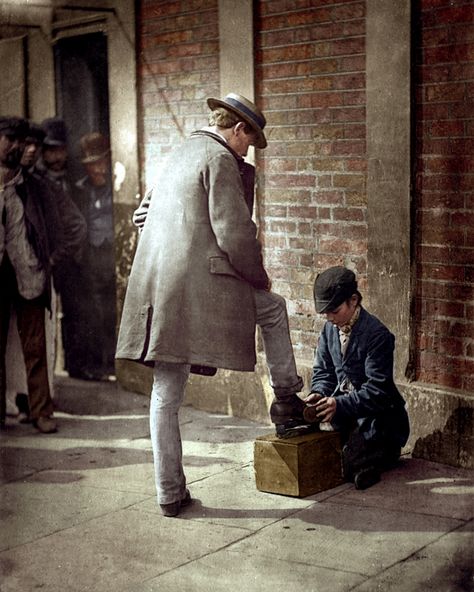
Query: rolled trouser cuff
[[282, 392]]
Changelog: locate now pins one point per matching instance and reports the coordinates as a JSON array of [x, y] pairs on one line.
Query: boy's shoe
[[171, 510], [287, 415]]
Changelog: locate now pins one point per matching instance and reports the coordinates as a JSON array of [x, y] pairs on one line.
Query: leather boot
[[287, 415]]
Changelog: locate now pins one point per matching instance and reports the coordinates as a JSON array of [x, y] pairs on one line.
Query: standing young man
[[352, 387], [198, 285]]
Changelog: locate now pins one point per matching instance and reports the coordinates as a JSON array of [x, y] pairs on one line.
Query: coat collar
[[358, 328], [220, 139]]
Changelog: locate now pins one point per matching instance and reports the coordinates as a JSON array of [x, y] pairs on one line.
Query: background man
[[51, 169], [28, 238], [198, 285], [54, 154], [352, 387], [93, 195], [33, 143]]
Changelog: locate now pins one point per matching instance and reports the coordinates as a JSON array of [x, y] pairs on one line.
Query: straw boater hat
[[94, 147], [246, 110]]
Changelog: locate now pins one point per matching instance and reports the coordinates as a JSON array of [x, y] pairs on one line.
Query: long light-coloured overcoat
[[190, 292]]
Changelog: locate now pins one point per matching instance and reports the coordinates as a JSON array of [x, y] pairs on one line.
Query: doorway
[[88, 301], [82, 93]]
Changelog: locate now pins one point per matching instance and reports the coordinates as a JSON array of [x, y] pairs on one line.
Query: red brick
[[446, 128], [449, 14], [443, 254], [462, 219], [339, 245], [322, 99], [349, 214], [453, 165], [444, 92], [348, 147], [443, 199], [439, 377], [329, 197], [348, 114], [442, 308]]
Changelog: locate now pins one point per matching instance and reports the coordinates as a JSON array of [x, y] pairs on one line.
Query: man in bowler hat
[[352, 386], [198, 286]]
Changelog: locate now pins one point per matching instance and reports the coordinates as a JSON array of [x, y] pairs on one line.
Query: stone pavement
[[78, 513]]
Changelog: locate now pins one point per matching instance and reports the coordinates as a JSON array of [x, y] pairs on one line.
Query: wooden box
[[299, 466]]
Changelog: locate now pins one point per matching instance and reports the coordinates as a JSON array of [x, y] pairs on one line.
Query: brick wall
[[444, 192], [178, 67], [310, 73]]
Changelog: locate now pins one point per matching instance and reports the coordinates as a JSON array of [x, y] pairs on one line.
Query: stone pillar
[[389, 169]]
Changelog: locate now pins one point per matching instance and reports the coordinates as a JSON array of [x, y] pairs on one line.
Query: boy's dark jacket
[[375, 403]]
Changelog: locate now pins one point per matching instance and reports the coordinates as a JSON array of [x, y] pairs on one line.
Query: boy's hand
[[326, 408], [322, 408], [313, 398]]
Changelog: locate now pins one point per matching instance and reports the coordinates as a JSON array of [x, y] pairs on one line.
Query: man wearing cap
[[54, 153], [51, 169], [32, 150], [93, 195], [31, 241], [198, 285], [352, 387]]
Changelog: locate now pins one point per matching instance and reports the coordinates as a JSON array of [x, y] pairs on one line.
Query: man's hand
[[325, 406]]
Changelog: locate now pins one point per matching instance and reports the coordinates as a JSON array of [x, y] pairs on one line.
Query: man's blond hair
[[225, 118]]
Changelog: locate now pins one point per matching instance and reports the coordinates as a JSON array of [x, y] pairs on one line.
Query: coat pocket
[[221, 266]]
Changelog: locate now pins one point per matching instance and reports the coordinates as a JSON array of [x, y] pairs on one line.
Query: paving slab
[[230, 570], [446, 565], [419, 487], [347, 537], [231, 499], [112, 552], [53, 501]]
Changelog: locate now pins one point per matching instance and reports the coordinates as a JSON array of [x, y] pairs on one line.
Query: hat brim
[[261, 140], [95, 157], [323, 306], [53, 143]]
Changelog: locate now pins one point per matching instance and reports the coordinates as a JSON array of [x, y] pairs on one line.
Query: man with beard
[[52, 163], [51, 169], [33, 242], [32, 150], [93, 196]]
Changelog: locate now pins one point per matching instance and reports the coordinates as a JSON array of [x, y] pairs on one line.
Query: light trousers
[[169, 382]]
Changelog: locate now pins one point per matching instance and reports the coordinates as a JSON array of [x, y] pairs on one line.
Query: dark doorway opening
[[88, 300], [82, 92]]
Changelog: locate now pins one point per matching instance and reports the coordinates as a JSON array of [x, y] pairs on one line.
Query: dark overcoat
[[375, 402], [54, 226], [190, 293]]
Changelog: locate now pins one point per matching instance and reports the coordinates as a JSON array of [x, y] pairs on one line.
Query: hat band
[[241, 107]]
